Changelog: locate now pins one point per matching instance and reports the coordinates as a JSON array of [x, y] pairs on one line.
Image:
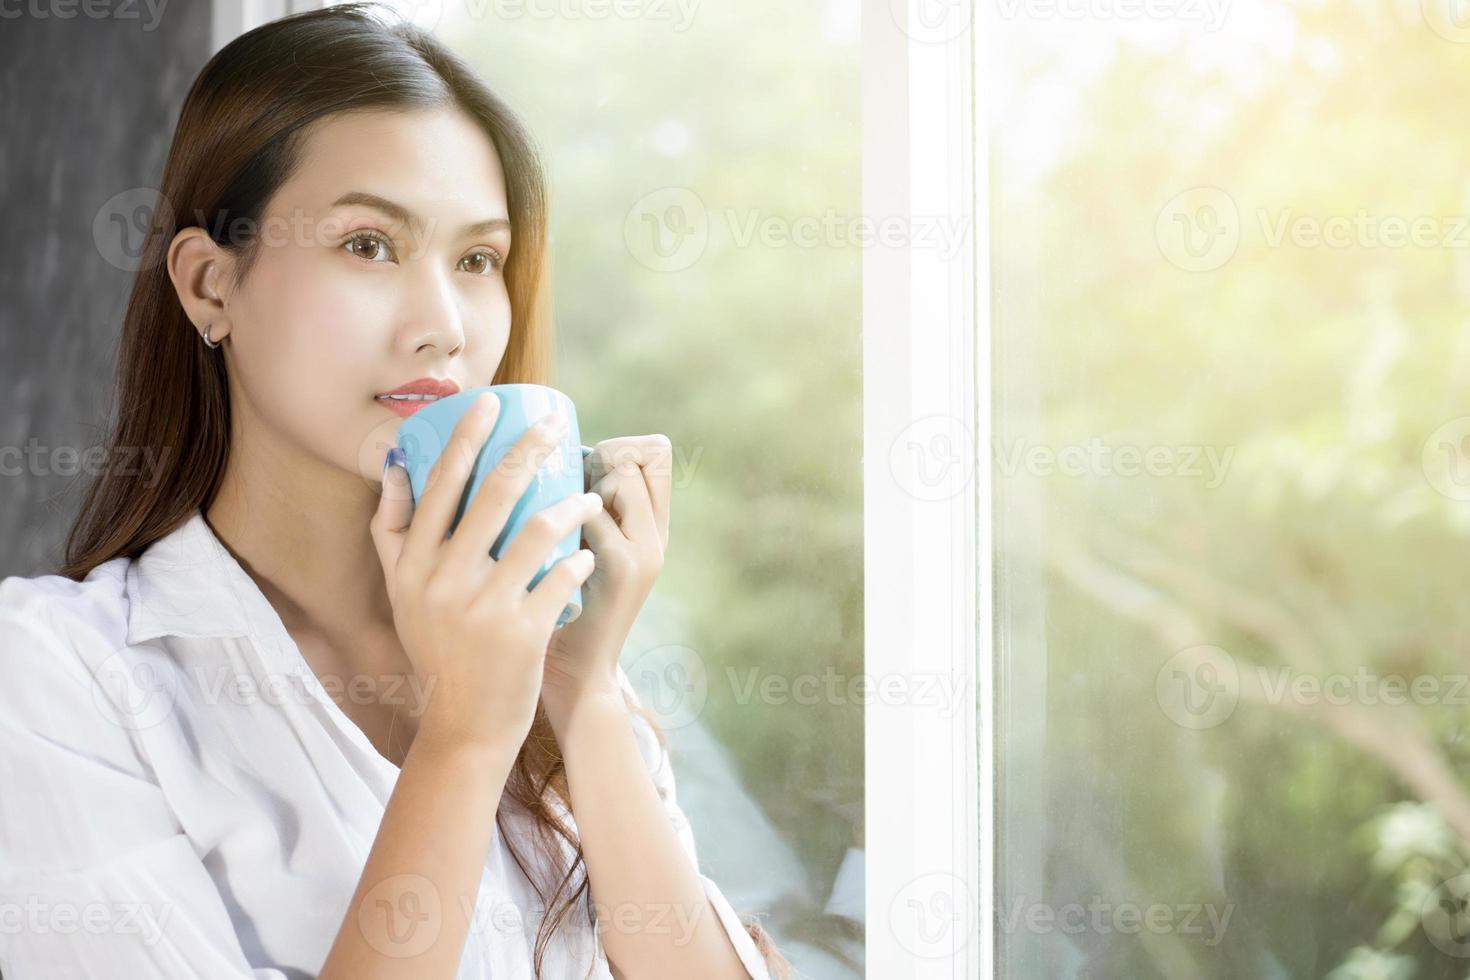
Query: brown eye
[[486, 263], [368, 247]]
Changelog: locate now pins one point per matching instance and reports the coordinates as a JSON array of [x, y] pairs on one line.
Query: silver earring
[[211, 344]]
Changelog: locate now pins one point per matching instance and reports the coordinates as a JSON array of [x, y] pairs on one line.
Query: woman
[[269, 720]]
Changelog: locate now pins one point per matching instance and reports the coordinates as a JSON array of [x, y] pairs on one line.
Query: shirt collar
[[188, 584]]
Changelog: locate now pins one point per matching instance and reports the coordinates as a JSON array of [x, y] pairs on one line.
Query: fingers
[[549, 597], [394, 513], [445, 484], [658, 474], [602, 531], [649, 457], [485, 517], [626, 497], [625, 452], [527, 551]]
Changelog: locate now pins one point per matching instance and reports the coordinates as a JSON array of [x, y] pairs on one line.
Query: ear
[[198, 267]]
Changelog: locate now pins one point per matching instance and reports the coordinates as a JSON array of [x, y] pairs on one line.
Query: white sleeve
[[661, 769], [96, 877]]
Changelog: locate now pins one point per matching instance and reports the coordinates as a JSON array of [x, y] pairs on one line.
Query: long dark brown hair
[[238, 139]]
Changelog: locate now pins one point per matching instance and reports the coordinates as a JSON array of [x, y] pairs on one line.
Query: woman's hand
[[633, 477], [474, 634]]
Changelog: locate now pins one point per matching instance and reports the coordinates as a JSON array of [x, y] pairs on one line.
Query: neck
[[299, 528]]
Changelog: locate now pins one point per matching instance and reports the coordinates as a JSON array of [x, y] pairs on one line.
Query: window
[[1229, 280]]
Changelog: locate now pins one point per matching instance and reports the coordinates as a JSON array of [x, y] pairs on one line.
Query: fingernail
[[395, 456], [484, 402]]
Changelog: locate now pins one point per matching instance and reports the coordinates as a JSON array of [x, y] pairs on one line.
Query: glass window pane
[[1231, 267]]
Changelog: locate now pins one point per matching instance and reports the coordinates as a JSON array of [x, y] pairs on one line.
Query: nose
[[434, 319]]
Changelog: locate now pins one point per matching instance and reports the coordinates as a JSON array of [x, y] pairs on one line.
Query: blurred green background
[[666, 134], [1145, 296]]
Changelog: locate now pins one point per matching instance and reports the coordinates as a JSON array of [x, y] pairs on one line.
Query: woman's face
[[381, 261]]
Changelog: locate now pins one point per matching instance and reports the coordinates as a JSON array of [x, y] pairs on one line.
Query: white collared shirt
[[180, 797]]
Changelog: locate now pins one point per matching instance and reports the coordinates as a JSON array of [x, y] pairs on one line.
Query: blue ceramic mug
[[423, 435]]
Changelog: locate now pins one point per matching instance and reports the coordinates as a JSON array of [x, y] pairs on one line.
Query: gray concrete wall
[[87, 108]]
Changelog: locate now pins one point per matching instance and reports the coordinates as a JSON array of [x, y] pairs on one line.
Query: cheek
[[312, 345], [333, 314], [488, 328]]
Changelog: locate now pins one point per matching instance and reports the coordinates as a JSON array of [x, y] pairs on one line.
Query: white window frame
[[927, 562], [926, 555]]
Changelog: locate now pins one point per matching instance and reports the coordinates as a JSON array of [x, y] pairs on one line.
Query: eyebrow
[[400, 213]]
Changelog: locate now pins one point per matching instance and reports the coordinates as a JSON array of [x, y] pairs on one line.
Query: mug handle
[[586, 484]]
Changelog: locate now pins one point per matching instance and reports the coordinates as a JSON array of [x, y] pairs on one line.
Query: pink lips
[[402, 408], [437, 387]]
